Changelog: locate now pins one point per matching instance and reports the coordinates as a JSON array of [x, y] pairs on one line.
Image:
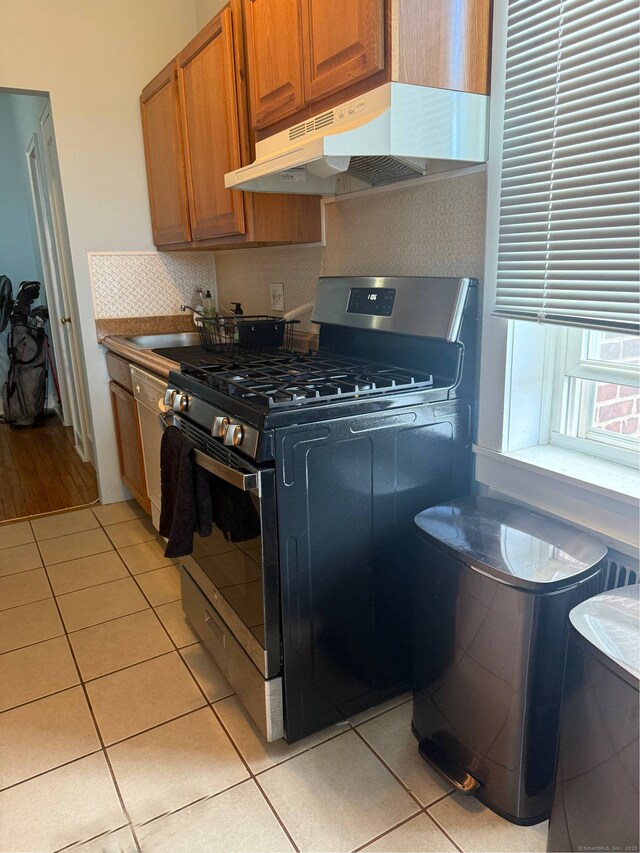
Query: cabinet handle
[[64, 320], [216, 630]]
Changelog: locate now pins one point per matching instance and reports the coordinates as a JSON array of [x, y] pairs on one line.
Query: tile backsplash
[[436, 228], [139, 284]]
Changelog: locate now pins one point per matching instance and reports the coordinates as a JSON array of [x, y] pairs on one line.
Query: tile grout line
[[94, 720], [36, 643], [104, 621], [203, 799], [256, 776], [207, 704], [253, 776], [393, 773], [95, 678], [35, 601], [386, 832], [143, 514], [155, 726], [439, 799], [93, 585], [379, 714], [38, 698], [211, 704], [62, 535], [423, 808], [93, 838], [96, 751], [440, 827], [20, 519], [84, 588], [302, 752], [276, 815]]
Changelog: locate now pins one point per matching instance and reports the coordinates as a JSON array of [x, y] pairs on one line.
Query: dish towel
[[234, 511], [186, 498]]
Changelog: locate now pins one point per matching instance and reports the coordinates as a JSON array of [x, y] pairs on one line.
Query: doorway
[[46, 467]]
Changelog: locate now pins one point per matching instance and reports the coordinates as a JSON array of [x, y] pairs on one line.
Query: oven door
[[237, 611]]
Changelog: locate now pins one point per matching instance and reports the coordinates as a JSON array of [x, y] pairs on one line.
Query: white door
[[58, 274], [63, 368]]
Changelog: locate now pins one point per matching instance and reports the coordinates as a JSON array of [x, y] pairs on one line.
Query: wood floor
[[41, 472]]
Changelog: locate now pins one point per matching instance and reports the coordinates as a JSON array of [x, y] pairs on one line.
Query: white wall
[[94, 57], [207, 9]]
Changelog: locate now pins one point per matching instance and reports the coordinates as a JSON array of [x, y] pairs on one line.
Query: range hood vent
[[393, 133], [378, 171]]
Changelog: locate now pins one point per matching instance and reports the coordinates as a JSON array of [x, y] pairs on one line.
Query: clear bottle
[[208, 305]]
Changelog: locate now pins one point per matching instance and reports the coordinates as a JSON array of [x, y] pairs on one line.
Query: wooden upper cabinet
[[209, 100], [442, 43], [343, 43], [164, 159], [349, 47], [273, 40]]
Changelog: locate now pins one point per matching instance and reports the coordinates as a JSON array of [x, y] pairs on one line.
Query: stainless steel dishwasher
[[149, 390]]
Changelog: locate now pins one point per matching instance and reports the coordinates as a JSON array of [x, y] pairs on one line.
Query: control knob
[[181, 402], [233, 435], [169, 396], [219, 427]]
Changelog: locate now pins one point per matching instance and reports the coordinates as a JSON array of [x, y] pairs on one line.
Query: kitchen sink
[[171, 340]]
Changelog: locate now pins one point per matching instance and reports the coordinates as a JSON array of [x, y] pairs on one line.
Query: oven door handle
[[245, 482]]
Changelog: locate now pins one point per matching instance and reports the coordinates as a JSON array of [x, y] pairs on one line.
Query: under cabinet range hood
[[393, 133]]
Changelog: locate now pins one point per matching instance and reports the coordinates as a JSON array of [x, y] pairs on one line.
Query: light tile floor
[[118, 733]]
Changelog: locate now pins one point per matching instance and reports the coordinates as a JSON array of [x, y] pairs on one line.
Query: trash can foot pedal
[[447, 767]]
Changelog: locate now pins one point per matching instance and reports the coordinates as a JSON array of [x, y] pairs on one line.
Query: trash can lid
[[513, 544], [610, 625]]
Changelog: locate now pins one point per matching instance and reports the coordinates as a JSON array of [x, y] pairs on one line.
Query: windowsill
[[599, 496]]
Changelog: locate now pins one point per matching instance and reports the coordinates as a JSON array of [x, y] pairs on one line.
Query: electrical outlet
[[277, 295]]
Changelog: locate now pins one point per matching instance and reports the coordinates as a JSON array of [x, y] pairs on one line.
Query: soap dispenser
[[237, 313], [208, 305]]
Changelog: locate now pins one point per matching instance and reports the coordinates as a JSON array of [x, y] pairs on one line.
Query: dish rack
[[243, 332]]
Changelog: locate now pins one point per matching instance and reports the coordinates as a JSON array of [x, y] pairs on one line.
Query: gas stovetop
[[383, 344], [282, 379]]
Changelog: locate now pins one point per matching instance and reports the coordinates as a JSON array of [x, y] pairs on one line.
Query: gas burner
[[284, 378]]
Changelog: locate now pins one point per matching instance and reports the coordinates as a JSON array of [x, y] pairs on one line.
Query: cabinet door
[[209, 101], [165, 159], [129, 441], [274, 59], [343, 44]]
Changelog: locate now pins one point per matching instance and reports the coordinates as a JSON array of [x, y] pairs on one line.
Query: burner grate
[[286, 379]]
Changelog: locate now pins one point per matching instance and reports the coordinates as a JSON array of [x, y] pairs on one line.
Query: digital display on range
[[377, 301]]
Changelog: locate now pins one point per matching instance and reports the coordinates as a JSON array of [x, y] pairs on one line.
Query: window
[[559, 366], [595, 391], [566, 213], [569, 229]]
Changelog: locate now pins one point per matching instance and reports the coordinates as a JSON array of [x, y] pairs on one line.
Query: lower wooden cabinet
[[125, 416]]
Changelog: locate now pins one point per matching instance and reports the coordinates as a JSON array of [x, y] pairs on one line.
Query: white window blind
[[569, 238]]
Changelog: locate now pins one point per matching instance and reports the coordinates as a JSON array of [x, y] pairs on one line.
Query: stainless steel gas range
[[338, 448]]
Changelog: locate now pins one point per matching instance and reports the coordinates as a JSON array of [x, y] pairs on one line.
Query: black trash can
[[495, 584], [595, 803]]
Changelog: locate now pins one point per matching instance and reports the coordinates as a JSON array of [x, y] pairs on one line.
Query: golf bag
[[25, 392]]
